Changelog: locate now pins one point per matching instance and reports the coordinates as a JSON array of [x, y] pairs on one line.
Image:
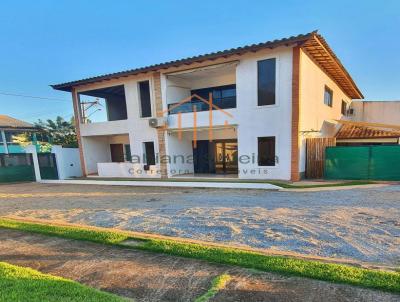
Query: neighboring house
[[367, 123], [380, 112], [17, 163], [10, 127], [267, 99]]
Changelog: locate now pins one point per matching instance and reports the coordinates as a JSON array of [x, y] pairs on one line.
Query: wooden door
[[117, 153]]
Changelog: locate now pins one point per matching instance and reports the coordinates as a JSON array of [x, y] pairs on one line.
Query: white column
[[32, 149], [57, 151], [3, 136]]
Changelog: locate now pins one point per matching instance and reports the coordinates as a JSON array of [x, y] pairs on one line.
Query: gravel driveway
[[357, 224]]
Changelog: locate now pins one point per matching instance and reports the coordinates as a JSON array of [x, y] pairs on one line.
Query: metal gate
[[48, 166], [363, 162], [16, 167]]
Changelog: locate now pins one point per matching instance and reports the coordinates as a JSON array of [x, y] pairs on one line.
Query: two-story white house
[[265, 99]]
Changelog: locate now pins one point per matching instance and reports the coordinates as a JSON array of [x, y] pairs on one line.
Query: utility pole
[[85, 106]]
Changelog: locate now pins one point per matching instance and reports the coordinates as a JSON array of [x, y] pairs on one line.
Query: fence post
[[3, 137], [32, 150]]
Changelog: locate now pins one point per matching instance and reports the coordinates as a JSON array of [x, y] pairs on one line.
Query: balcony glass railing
[[225, 103], [224, 97]]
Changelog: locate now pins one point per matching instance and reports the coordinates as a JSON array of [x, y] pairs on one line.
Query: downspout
[[3, 136]]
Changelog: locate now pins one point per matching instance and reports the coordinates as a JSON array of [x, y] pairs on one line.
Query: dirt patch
[[272, 288], [148, 276]]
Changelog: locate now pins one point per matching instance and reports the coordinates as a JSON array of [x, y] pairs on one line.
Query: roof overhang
[[296, 40], [318, 49]]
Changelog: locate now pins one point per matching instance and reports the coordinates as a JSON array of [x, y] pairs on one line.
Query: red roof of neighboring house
[[8, 122], [363, 130]]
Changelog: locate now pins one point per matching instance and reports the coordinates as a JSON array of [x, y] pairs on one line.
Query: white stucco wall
[[176, 149], [313, 111], [68, 162], [251, 120], [97, 149], [258, 121], [384, 112]]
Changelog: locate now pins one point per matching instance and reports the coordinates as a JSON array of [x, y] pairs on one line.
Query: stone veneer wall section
[[160, 131], [294, 174]]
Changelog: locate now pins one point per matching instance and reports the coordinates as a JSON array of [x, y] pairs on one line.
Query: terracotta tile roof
[[311, 42], [352, 131], [8, 122]]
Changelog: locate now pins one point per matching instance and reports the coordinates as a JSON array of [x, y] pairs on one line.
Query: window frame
[[266, 164], [330, 91], [275, 82], [345, 108]]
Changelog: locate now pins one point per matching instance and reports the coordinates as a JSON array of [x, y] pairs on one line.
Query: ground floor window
[[149, 153], [128, 155], [266, 151]]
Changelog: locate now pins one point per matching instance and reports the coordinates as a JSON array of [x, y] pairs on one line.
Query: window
[[266, 151], [328, 96], [128, 155], [150, 157], [344, 108], [11, 135], [145, 101], [266, 72]]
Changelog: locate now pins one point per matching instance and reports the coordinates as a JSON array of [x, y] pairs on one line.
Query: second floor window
[[266, 74], [328, 96], [145, 100], [344, 108]]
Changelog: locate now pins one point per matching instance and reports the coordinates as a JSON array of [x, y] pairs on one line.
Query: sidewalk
[[146, 276], [171, 184]]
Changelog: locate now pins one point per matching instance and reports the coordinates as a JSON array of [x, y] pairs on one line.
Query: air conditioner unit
[[157, 122]]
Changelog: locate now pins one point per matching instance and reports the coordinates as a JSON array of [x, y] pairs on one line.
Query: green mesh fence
[[16, 167], [364, 162]]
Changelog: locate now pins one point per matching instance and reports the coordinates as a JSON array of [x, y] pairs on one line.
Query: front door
[[117, 153], [226, 159]]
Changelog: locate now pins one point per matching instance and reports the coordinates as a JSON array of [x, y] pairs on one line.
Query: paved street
[[357, 224]]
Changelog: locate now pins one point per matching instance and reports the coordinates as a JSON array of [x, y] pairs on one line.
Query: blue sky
[[46, 42]]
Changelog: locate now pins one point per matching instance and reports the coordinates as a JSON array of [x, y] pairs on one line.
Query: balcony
[[218, 80]]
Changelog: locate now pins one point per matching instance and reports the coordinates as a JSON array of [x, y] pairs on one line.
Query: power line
[[33, 97]]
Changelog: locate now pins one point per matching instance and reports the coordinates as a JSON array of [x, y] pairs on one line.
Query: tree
[[59, 132]]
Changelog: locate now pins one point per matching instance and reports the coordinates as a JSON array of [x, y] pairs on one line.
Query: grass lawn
[[282, 184], [217, 284], [25, 284], [377, 279]]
